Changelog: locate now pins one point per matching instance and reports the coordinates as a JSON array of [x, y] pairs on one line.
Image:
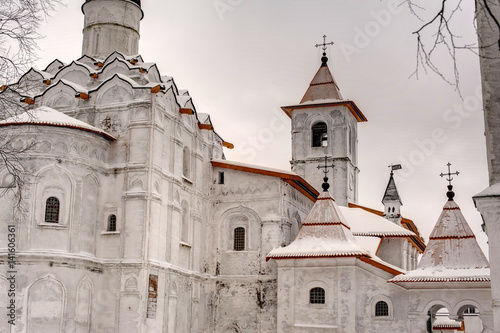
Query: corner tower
[[325, 124], [111, 25]]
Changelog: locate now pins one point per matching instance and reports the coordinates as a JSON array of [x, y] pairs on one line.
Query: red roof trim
[[356, 112], [326, 223], [452, 237], [294, 180]]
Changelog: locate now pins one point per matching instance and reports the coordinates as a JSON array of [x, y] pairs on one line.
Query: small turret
[[391, 200]]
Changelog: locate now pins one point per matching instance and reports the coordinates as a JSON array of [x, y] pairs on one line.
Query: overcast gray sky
[[241, 60]]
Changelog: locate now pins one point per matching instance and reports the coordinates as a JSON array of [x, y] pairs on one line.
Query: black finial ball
[[450, 194], [324, 59], [325, 185]]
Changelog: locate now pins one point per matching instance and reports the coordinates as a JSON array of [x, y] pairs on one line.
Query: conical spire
[[391, 192], [322, 86], [324, 233], [452, 244]]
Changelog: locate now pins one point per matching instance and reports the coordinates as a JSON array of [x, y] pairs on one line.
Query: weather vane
[[395, 167], [325, 171], [324, 44], [449, 178]]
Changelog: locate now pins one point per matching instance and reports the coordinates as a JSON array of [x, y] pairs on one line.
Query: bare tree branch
[[19, 25], [436, 38]]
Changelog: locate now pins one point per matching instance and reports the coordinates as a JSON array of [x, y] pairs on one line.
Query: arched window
[[239, 239], [52, 210], [112, 222], [381, 309], [319, 135], [317, 296], [186, 160]]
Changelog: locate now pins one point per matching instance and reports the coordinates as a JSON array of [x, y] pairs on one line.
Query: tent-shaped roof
[[324, 233], [324, 91], [452, 254], [322, 87], [391, 192]]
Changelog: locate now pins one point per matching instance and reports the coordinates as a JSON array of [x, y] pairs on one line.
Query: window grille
[[317, 296], [52, 210], [239, 239], [381, 309], [112, 222]]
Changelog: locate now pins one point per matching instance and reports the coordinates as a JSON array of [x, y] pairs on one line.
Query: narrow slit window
[[317, 296], [239, 239], [221, 177], [381, 309], [112, 222], [52, 210]]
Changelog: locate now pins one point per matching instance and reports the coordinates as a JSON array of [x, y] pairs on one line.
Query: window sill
[[382, 317], [187, 180], [110, 233], [52, 226], [185, 244]]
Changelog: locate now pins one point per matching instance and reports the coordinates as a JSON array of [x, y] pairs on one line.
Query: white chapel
[[132, 220]]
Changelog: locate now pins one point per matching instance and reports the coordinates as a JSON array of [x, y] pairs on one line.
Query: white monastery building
[[134, 221]]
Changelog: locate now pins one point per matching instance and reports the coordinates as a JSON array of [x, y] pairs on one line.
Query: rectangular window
[[221, 177]]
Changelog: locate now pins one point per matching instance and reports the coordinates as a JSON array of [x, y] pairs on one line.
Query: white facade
[[133, 221]]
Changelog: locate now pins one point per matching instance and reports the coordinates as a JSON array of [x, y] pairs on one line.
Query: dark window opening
[[52, 210], [221, 177], [317, 296], [239, 239], [319, 135], [112, 222], [381, 309]]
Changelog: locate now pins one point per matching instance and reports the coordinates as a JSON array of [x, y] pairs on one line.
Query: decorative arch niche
[[46, 302]]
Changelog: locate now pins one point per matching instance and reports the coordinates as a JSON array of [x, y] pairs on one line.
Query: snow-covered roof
[[444, 322], [452, 244], [324, 233], [44, 115], [253, 166], [291, 178], [452, 254], [442, 274], [364, 223]]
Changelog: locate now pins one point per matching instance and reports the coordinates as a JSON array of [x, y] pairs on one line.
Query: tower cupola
[[111, 25]]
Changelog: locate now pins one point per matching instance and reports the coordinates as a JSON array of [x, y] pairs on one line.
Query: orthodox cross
[[449, 174], [450, 194], [325, 171], [324, 44]]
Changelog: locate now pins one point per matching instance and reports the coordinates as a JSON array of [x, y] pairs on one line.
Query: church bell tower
[[324, 124], [111, 25]]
